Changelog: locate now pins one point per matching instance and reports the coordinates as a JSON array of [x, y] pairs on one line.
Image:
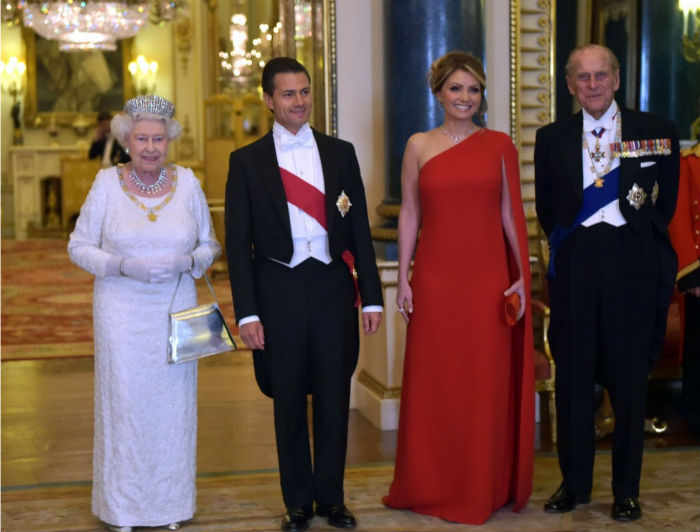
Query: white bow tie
[[305, 138]]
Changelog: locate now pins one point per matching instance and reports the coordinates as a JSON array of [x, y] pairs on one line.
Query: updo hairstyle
[[443, 67]]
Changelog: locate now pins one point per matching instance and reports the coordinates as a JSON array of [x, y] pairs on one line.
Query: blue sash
[[594, 198]]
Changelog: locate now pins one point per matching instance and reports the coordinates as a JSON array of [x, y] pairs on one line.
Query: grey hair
[[614, 63], [122, 124]]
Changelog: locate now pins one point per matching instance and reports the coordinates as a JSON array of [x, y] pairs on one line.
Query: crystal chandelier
[[80, 25], [84, 25], [241, 66], [12, 12]]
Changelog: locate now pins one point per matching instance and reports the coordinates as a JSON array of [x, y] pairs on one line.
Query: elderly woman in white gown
[[141, 227]]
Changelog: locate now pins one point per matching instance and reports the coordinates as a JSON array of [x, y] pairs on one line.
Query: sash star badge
[[636, 196], [343, 204]]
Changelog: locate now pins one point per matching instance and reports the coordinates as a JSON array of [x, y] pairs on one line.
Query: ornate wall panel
[[532, 87]]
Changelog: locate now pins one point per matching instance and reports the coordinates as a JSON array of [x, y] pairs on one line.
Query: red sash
[[304, 196]]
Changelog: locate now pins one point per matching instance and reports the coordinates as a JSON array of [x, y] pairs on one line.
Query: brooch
[[343, 204], [636, 196]]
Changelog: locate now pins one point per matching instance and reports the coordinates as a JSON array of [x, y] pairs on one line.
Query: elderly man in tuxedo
[[300, 261], [606, 182]]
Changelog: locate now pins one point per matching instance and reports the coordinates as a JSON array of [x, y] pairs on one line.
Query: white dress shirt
[[298, 154], [610, 213]]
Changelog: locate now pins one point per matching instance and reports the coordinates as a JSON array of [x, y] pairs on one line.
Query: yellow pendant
[[598, 182], [152, 216]]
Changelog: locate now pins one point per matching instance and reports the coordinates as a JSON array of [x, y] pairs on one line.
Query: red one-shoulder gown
[[466, 427]]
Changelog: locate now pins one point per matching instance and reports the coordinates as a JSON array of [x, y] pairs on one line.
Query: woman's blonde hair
[[443, 67]]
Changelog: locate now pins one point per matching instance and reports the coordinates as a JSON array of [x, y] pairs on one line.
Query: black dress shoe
[[295, 519], [626, 509], [564, 501], [338, 516]]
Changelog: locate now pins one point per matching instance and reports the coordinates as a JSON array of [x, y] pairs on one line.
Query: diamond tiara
[[149, 104]]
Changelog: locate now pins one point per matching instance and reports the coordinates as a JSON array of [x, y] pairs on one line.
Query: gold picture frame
[[77, 84]]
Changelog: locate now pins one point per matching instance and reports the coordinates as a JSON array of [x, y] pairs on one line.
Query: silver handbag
[[198, 332]]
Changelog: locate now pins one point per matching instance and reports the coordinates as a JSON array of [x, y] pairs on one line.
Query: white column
[[497, 21], [377, 382]]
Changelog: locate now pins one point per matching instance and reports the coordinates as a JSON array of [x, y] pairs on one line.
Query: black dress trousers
[[603, 302], [311, 347]]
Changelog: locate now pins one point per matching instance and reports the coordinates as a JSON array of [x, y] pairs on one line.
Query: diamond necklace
[[153, 188], [457, 138], [151, 212]]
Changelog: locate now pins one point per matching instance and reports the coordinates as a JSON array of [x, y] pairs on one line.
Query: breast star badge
[[636, 196], [343, 204]]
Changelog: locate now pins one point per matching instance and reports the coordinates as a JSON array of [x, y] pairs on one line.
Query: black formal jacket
[[257, 217], [117, 156], [559, 185]]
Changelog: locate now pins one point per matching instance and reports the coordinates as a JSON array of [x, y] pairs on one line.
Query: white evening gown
[[144, 460]]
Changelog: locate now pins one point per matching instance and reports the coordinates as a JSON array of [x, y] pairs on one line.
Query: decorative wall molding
[[532, 37], [183, 39], [188, 79]]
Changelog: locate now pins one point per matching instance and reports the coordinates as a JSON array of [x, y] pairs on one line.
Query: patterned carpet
[[47, 302], [250, 501]]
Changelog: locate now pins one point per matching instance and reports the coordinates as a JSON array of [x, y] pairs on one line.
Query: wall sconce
[[12, 75], [143, 75], [691, 29]]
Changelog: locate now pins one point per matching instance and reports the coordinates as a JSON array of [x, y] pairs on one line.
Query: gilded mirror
[[243, 34]]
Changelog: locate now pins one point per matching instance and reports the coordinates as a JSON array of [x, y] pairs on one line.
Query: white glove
[[176, 264], [147, 270]]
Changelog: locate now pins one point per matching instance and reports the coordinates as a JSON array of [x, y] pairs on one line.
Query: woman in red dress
[[466, 426]]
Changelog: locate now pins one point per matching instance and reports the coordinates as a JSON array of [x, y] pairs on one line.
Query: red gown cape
[[523, 345]]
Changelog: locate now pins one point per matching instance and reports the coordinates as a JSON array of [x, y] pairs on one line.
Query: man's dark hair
[[280, 65], [104, 115]]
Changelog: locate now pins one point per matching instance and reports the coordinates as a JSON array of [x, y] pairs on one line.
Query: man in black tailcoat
[[105, 146], [606, 182], [300, 261]]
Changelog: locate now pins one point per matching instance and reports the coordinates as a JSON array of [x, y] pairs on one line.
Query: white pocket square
[[645, 164]]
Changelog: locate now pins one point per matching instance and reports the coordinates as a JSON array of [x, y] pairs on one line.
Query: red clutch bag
[[512, 305]]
